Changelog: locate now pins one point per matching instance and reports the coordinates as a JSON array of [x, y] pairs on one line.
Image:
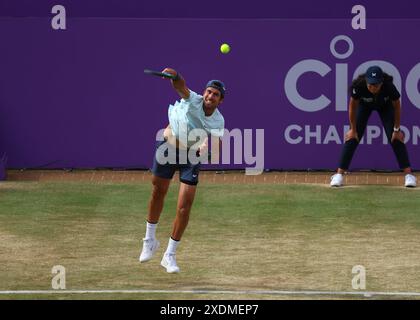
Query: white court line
[[232, 292]]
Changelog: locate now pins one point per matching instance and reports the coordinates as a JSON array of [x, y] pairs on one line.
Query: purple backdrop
[[79, 98]]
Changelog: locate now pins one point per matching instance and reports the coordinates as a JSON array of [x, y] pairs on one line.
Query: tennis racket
[[160, 74]]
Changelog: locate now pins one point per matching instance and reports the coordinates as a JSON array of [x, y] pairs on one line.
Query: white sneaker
[[410, 181], [336, 180], [149, 248], [169, 262]]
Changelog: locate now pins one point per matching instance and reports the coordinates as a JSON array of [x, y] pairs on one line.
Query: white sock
[[150, 230], [172, 245]]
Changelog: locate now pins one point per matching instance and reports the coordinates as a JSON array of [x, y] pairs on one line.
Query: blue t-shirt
[[188, 114]]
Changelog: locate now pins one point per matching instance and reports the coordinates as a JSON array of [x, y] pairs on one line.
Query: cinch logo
[[341, 79]]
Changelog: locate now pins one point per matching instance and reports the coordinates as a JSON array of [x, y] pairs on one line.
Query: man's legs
[[163, 171], [162, 175], [159, 191], [185, 201]]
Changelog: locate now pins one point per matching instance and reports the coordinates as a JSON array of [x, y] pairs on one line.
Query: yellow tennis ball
[[225, 48]]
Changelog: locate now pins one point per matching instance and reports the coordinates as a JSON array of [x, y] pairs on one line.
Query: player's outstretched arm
[[178, 83]]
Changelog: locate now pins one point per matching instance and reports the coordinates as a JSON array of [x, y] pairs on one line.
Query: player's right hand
[[351, 134], [170, 71], [178, 83]]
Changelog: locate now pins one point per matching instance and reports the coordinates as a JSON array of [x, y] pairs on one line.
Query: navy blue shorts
[[188, 172]]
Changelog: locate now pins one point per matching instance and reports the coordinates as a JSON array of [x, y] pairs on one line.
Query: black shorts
[[188, 172]]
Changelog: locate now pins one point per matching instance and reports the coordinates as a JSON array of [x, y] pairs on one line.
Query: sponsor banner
[[78, 97]]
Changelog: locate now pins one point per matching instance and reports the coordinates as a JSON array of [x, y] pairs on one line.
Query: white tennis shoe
[[410, 181], [169, 262], [149, 248], [337, 180]]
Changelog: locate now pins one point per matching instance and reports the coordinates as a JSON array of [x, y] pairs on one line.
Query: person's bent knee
[[352, 141], [397, 143]]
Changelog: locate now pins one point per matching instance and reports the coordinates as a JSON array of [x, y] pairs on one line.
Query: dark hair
[[219, 85], [361, 80]]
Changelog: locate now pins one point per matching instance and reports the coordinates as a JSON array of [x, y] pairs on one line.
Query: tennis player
[[193, 111]]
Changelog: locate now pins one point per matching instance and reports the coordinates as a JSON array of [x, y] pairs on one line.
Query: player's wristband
[[396, 129]]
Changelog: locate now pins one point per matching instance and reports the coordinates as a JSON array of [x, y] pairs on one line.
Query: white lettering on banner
[[416, 135], [58, 22], [341, 79], [411, 86], [344, 55], [332, 136], [313, 134], [317, 134], [359, 21], [341, 74], [288, 136], [290, 85], [372, 132]]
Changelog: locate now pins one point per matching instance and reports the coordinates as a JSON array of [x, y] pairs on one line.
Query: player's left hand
[[397, 136]]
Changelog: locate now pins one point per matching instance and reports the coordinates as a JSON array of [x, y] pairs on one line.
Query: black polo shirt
[[386, 95]]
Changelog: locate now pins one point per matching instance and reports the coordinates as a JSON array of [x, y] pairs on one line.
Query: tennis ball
[[224, 48]]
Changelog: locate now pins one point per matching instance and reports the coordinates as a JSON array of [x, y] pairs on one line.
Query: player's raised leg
[[185, 201], [159, 191]]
